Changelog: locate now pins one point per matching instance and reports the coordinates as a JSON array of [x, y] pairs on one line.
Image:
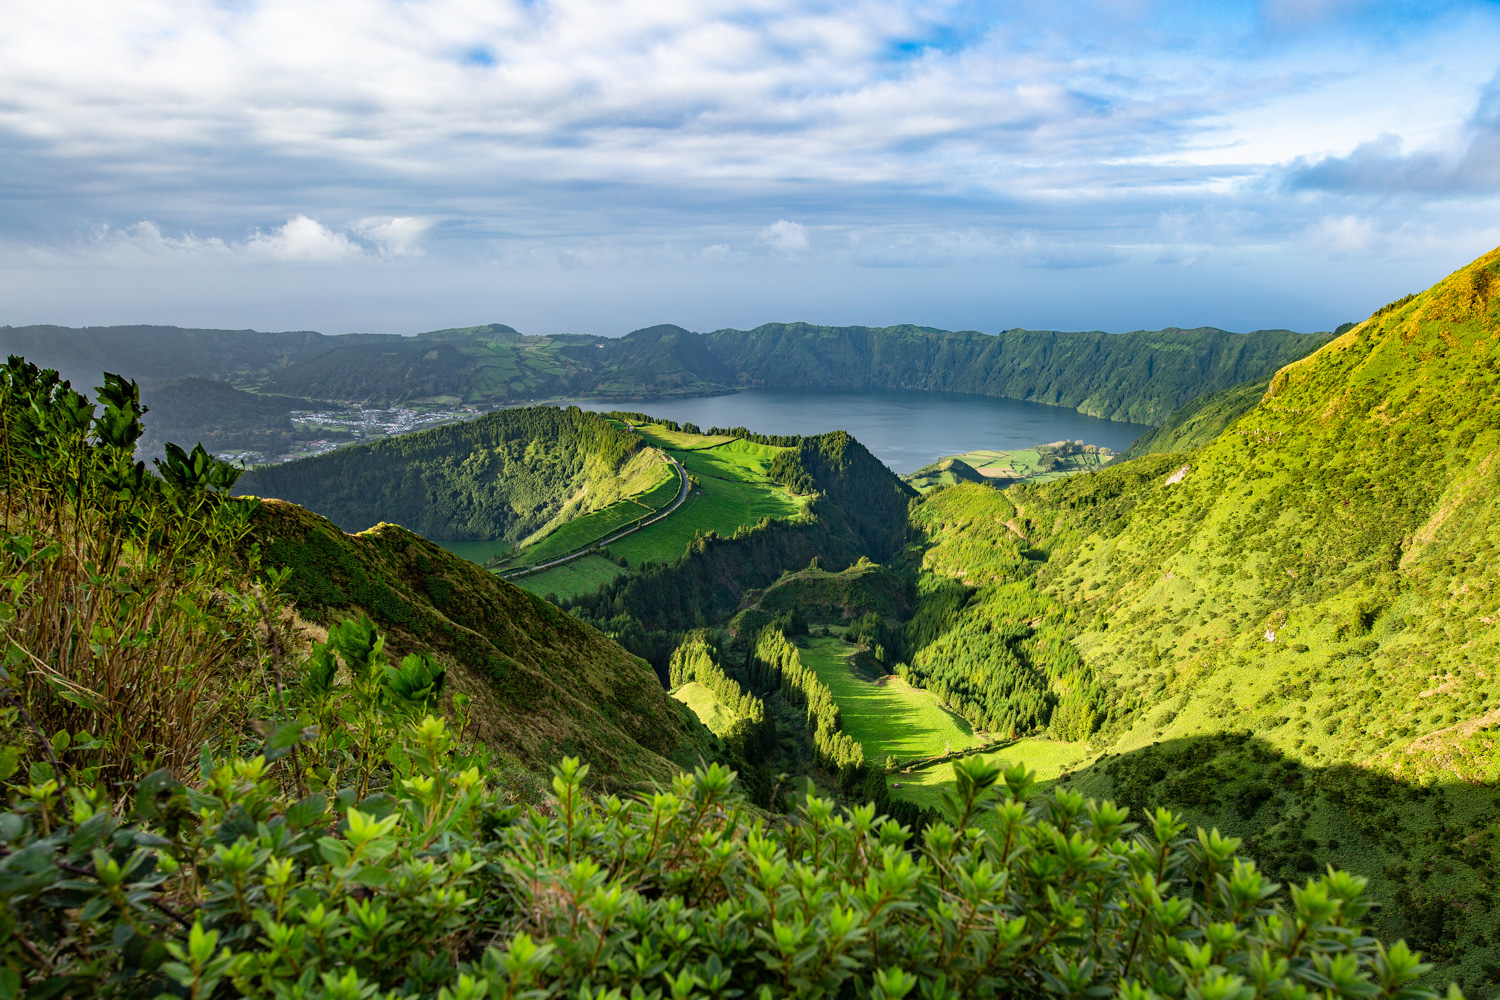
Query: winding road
[[682, 494]]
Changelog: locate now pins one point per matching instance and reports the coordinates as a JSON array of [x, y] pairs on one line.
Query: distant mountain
[[1142, 376]]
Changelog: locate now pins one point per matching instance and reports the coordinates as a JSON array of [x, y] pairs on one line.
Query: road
[[682, 494]]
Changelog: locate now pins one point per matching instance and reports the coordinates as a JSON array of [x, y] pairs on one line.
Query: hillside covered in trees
[[1288, 632], [504, 475]]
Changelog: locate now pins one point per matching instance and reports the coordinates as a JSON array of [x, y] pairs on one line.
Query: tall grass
[[127, 622]]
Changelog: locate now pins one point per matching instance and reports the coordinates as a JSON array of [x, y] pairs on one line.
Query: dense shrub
[[442, 887]]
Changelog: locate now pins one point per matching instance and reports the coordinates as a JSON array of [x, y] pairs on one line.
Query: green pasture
[[709, 710], [583, 531], [663, 437], [583, 575], [733, 491], [889, 719]]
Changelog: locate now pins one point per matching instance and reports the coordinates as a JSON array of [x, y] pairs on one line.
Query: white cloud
[[400, 236], [302, 239], [785, 237], [716, 252], [1345, 235]]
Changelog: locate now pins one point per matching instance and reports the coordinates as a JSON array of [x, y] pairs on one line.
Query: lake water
[[905, 430]]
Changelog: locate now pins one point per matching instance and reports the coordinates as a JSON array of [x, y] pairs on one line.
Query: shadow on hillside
[[1429, 852]]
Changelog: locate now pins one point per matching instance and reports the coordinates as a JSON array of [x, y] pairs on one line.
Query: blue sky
[[589, 166]]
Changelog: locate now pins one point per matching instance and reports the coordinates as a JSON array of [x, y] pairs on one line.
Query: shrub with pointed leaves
[[437, 886]]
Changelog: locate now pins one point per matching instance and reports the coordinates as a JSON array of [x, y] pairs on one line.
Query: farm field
[[890, 719], [583, 575], [732, 491]]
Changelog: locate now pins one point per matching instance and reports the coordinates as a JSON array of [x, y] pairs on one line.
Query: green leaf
[[334, 851]]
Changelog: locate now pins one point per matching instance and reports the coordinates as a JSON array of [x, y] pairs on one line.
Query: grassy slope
[[1296, 639], [1201, 420], [709, 710], [580, 576], [733, 492], [544, 684], [889, 719], [581, 531]]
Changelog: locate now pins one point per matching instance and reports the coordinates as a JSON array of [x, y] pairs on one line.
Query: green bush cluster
[[438, 886]]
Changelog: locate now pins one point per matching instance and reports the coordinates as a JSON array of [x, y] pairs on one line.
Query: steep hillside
[[1201, 420], [857, 508], [502, 475], [543, 683], [821, 596], [1290, 632], [1140, 377]]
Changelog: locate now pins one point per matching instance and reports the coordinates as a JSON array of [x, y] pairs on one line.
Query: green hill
[[542, 682], [1290, 632], [1201, 420], [947, 472], [504, 475]]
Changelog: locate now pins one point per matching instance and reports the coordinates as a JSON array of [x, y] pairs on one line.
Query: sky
[[594, 167]]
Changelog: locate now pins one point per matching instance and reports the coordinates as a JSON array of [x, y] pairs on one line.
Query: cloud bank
[[514, 138]]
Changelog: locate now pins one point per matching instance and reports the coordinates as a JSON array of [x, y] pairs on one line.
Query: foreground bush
[[439, 887]]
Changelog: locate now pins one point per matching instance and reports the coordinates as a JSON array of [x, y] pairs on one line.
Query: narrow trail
[[682, 495]]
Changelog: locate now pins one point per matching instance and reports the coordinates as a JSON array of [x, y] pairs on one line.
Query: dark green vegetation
[[505, 475], [440, 887], [1200, 421], [538, 680], [97, 545], [1284, 633], [1141, 376]]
